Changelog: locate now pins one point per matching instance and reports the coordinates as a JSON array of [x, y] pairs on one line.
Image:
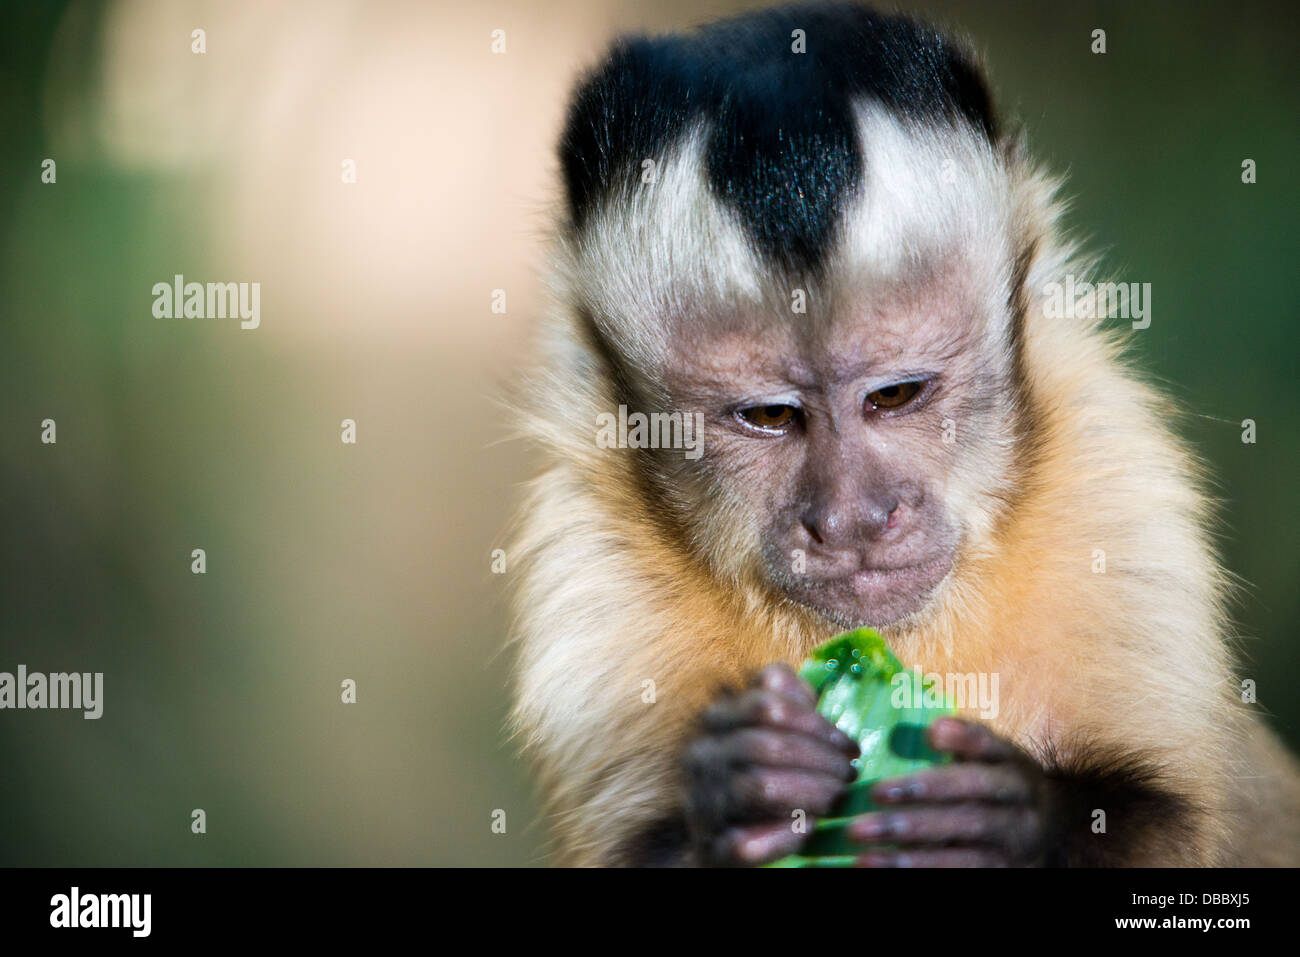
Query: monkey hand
[[993, 806], [761, 757]]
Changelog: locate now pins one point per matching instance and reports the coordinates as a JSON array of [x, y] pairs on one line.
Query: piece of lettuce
[[866, 692]]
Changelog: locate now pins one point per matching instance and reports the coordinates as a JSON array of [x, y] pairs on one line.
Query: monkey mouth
[[933, 571], [875, 595]]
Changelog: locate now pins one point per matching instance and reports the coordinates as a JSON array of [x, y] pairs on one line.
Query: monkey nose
[[843, 525]]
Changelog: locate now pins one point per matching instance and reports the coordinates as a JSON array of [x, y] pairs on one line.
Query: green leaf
[[865, 692]]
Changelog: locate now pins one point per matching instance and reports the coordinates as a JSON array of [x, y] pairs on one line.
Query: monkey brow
[[803, 380], [841, 372]]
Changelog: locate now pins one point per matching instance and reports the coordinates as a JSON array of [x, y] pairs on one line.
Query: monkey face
[[854, 368], [835, 441], [857, 528]]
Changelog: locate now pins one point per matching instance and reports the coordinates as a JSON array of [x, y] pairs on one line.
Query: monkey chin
[[877, 597]]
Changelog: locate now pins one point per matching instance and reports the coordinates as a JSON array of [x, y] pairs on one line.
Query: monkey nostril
[[811, 525]]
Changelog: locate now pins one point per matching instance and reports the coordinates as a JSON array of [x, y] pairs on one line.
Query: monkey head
[[819, 249]]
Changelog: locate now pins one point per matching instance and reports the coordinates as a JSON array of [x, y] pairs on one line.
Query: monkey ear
[[1014, 145]]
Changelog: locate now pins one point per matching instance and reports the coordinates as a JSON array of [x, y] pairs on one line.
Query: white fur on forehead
[[924, 187], [669, 250], [931, 195], [663, 250]]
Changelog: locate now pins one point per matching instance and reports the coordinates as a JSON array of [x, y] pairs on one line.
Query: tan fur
[[1136, 658]]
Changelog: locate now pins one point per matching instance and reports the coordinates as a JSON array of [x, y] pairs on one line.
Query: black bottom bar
[[378, 905]]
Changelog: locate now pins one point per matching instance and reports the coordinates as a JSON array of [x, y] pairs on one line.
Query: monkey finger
[[996, 783], [953, 824], [970, 741], [760, 706], [758, 793], [783, 680], [757, 844], [787, 749]]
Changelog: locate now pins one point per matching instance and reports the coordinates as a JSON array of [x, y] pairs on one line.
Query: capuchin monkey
[[801, 247]]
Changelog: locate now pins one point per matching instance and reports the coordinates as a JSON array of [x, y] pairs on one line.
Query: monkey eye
[[893, 396], [769, 418]]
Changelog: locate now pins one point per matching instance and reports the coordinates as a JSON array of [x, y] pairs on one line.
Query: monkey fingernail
[[898, 791], [844, 742], [874, 827], [946, 734], [868, 830]]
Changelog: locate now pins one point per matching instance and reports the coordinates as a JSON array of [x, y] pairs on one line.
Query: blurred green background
[[371, 561]]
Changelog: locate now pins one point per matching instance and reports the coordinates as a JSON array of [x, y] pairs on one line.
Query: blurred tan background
[[328, 561]]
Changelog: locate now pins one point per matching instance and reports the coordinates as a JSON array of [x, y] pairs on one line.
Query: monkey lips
[[871, 593]]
